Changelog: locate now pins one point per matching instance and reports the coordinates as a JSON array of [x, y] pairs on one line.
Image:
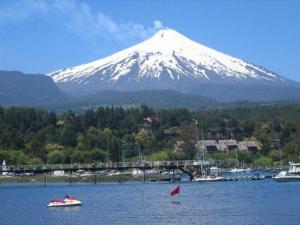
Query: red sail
[[175, 191]]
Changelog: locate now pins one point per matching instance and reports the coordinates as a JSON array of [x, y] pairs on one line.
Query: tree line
[[35, 136]]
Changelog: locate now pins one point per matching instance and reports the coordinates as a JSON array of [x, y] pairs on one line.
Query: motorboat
[[69, 201], [152, 172], [208, 178], [82, 173], [257, 176], [214, 171], [293, 174], [114, 173], [284, 176], [137, 172], [239, 170], [212, 175], [167, 173]]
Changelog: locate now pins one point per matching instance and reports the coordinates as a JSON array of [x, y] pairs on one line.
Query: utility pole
[[106, 151], [197, 144], [173, 152], [280, 154], [277, 142], [123, 155], [140, 153]]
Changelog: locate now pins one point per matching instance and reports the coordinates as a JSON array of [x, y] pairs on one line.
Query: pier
[[103, 166], [92, 172], [186, 166]]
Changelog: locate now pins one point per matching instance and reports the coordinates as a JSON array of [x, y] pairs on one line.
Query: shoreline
[[41, 179]]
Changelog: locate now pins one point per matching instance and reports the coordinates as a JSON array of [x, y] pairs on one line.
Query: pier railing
[[103, 166]]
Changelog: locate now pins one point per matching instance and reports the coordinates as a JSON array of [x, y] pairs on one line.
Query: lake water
[[241, 202]]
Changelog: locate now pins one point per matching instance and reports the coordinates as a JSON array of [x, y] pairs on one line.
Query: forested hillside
[[30, 136], [17, 88]]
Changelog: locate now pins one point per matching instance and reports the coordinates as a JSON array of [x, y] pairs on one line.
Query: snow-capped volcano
[[167, 60]]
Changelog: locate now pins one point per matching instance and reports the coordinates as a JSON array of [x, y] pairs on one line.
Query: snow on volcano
[[167, 60]]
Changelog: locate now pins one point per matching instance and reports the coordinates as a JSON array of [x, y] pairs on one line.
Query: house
[[208, 145], [227, 145], [250, 146], [222, 145], [232, 144]]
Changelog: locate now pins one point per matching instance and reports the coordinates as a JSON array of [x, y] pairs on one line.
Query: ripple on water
[[246, 202]]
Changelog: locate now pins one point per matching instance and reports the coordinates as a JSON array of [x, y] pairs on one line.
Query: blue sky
[[43, 36]]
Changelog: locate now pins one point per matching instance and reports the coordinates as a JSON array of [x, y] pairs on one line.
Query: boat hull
[[287, 179], [208, 179], [58, 204]]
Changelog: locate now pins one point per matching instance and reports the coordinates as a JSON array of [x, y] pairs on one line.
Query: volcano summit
[[169, 60]]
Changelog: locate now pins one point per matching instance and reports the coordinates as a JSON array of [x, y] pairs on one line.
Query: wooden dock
[[37, 169]]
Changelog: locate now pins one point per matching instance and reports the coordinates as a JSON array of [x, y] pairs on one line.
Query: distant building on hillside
[[250, 146], [208, 145], [232, 144], [227, 145]]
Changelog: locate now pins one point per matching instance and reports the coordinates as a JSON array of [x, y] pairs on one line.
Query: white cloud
[[158, 24], [79, 19]]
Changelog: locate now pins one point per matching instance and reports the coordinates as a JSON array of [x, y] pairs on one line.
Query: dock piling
[[95, 178], [70, 178], [45, 179]]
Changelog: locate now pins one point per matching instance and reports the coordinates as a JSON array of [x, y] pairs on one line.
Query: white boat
[[69, 201], [114, 173], [214, 170], [152, 172], [237, 170], [293, 174], [4, 173], [82, 173], [213, 175], [167, 173], [137, 172], [208, 178]]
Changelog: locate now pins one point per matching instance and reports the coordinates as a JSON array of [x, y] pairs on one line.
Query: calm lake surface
[[241, 202]]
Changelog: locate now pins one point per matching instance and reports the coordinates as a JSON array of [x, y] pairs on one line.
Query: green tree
[[160, 156], [77, 156], [55, 157], [52, 147], [96, 155], [263, 161]]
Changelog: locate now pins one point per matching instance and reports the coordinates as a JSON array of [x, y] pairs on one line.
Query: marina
[[113, 169], [122, 172]]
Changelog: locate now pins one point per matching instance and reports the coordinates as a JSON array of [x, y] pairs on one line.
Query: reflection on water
[[226, 203], [65, 209], [176, 202]]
